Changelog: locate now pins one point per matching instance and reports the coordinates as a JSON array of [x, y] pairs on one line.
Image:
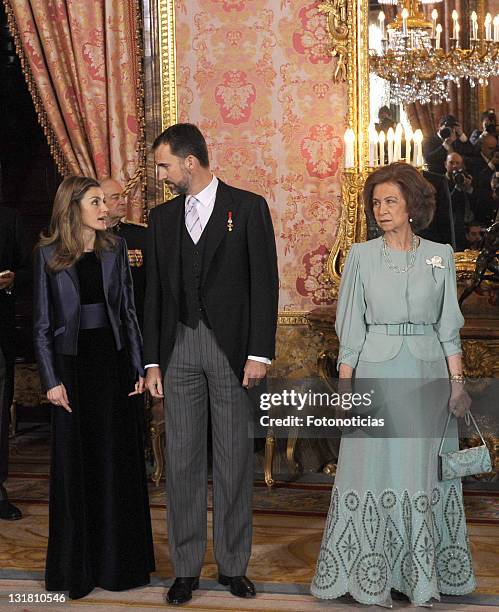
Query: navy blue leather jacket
[[56, 317]]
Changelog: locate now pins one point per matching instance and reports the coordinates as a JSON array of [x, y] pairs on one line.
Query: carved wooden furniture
[[27, 392]]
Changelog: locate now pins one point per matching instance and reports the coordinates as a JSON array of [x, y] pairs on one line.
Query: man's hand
[[254, 371], [6, 279], [153, 382], [59, 397], [468, 183], [448, 142]]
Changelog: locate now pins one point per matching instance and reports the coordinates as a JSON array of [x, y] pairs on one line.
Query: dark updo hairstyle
[[418, 193]]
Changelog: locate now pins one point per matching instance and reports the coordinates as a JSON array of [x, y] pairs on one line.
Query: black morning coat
[[239, 280]]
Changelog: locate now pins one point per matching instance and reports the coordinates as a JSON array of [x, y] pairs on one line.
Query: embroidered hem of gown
[[417, 545]]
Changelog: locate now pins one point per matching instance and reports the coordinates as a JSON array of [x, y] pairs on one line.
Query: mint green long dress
[[391, 523]]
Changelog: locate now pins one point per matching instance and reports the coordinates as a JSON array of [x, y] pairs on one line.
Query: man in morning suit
[[135, 237], [209, 330], [12, 263]]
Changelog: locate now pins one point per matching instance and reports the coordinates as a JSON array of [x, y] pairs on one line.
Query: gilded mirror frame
[[348, 27]]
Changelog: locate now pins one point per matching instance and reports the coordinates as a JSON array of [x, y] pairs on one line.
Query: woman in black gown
[[88, 348]]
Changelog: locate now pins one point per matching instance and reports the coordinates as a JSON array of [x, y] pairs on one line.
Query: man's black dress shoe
[[8, 512], [181, 591], [240, 586]]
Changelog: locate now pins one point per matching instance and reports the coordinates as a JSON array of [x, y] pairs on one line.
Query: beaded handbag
[[466, 462]]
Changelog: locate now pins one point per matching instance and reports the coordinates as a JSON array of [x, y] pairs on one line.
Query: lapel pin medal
[[230, 224]]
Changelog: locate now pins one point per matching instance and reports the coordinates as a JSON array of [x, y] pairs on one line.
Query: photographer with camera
[[450, 138], [461, 190], [487, 190], [489, 126]]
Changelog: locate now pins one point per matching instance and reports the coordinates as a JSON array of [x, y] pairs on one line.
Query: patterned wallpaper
[[256, 77]]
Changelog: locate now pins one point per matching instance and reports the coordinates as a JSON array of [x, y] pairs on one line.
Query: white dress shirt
[[204, 206]]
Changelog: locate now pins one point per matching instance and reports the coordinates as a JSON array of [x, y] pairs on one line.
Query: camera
[[459, 177], [445, 132]]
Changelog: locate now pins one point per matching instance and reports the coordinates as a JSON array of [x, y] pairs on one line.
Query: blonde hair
[[66, 229]]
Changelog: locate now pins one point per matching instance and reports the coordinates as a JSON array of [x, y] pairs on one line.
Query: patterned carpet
[[30, 461], [288, 526], [210, 598]]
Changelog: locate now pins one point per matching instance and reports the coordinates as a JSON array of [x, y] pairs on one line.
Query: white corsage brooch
[[435, 262]]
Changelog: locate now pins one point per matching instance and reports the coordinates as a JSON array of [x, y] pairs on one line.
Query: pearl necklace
[[412, 258]]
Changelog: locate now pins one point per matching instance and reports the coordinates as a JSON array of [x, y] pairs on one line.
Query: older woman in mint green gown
[[391, 523]]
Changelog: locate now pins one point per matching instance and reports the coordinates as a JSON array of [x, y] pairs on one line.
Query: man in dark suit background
[[449, 138], [135, 237], [482, 158], [210, 324], [12, 263], [486, 208]]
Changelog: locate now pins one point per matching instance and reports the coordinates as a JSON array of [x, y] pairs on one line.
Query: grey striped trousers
[[198, 376]]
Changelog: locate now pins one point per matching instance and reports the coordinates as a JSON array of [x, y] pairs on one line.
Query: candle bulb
[[488, 27], [397, 149], [496, 28], [408, 140], [390, 136], [439, 33], [418, 149], [458, 29], [405, 15], [381, 148], [455, 23], [381, 19], [349, 139], [415, 150], [373, 146], [474, 26], [434, 17]]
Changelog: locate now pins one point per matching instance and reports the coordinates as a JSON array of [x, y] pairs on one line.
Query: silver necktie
[[192, 221]]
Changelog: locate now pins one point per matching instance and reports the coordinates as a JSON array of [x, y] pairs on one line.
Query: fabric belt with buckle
[[402, 329]]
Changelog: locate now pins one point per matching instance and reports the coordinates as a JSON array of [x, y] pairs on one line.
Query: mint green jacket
[[372, 293]]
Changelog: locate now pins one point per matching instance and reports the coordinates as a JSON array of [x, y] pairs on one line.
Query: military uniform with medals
[[134, 234]]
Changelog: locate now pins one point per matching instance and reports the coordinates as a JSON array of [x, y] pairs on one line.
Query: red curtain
[[82, 63]]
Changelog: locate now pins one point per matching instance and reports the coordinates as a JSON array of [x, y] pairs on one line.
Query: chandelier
[[413, 61]]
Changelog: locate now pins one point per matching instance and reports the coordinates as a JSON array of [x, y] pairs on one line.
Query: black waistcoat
[[191, 309]]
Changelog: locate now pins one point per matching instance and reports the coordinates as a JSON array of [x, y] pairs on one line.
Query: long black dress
[[99, 523]]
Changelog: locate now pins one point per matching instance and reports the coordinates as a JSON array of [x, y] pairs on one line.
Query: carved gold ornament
[[337, 20]]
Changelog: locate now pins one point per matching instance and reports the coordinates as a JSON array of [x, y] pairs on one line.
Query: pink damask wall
[[255, 75]]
